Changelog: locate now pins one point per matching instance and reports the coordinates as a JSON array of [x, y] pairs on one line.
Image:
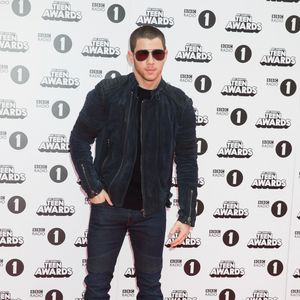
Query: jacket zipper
[[141, 159], [124, 144], [189, 219], [86, 179], [107, 154]]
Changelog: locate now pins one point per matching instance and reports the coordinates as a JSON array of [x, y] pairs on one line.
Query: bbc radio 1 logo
[[239, 87], [57, 143], [61, 11], [261, 294], [180, 295], [9, 42], [189, 242], [19, 74], [60, 78], [264, 239], [21, 7], [53, 269], [193, 52], [273, 119], [235, 149], [128, 292], [292, 24], [227, 269], [288, 87], [243, 23], [268, 180], [9, 110], [232, 210], [7, 238], [14, 267], [155, 17], [55, 207], [100, 47], [81, 241], [278, 57], [9, 175]]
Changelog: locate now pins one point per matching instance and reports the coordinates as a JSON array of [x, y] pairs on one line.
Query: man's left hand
[[182, 229]]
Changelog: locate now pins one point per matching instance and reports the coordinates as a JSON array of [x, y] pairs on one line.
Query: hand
[[182, 229], [100, 198]]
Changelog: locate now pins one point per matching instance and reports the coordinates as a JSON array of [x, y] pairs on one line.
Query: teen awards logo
[[268, 180], [6, 295], [7, 238], [81, 241], [100, 47], [235, 148], [60, 78], [180, 295], [57, 143], [130, 273], [193, 53], [243, 23], [296, 273], [189, 242], [62, 11], [239, 87], [261, 295], [227, 268], [53, 269], [9, 42], [290, 1], [264, 239], [278, 57], [200, 120], [55, 207], [8, 175], [155, 17], [273, 119], [9, 110], [231, 209]]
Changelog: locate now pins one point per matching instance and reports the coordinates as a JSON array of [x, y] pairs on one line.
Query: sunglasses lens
[[141, 55], [158, 54]]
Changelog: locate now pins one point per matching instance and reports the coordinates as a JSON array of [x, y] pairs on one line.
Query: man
[[140, 125]]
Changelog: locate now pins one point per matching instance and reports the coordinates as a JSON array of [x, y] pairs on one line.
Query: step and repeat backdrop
[[238, 61]]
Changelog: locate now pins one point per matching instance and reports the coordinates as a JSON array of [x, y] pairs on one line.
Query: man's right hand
[[100, 198]]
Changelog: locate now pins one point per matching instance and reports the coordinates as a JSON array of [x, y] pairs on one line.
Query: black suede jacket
[[167, 133]]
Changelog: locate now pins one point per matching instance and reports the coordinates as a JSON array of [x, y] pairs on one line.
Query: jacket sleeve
[[186, 165], [90, 122]]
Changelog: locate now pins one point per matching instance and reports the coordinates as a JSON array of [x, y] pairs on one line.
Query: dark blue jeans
[[107, 229]]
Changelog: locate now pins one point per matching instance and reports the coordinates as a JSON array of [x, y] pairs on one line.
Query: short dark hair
[[146, 32]]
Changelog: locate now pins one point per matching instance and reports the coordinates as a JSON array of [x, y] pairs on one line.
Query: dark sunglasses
[[157, 54]]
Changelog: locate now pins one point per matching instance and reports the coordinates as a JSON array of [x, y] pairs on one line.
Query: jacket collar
[[134, 84]]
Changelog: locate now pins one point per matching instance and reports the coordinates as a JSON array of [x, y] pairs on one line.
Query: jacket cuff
[[187, 220]]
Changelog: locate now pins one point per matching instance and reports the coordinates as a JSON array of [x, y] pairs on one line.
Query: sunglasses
[[157, 54]]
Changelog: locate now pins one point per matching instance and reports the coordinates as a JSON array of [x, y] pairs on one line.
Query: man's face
[[147, 72]]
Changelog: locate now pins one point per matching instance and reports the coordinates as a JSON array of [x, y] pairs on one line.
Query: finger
[[173, 231], [182, 236], [107, 198]]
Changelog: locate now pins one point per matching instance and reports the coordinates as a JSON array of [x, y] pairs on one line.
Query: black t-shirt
[[133, 198]]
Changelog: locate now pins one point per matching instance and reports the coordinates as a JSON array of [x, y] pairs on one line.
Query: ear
[[166, 54], [130, 56]]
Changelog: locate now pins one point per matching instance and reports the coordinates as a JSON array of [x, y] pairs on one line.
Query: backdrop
[[237, 60]]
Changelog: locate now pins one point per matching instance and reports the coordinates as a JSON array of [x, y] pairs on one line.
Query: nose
[[150, 59]]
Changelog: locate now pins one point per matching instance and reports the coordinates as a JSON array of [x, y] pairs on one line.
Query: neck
[[147, 84]]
